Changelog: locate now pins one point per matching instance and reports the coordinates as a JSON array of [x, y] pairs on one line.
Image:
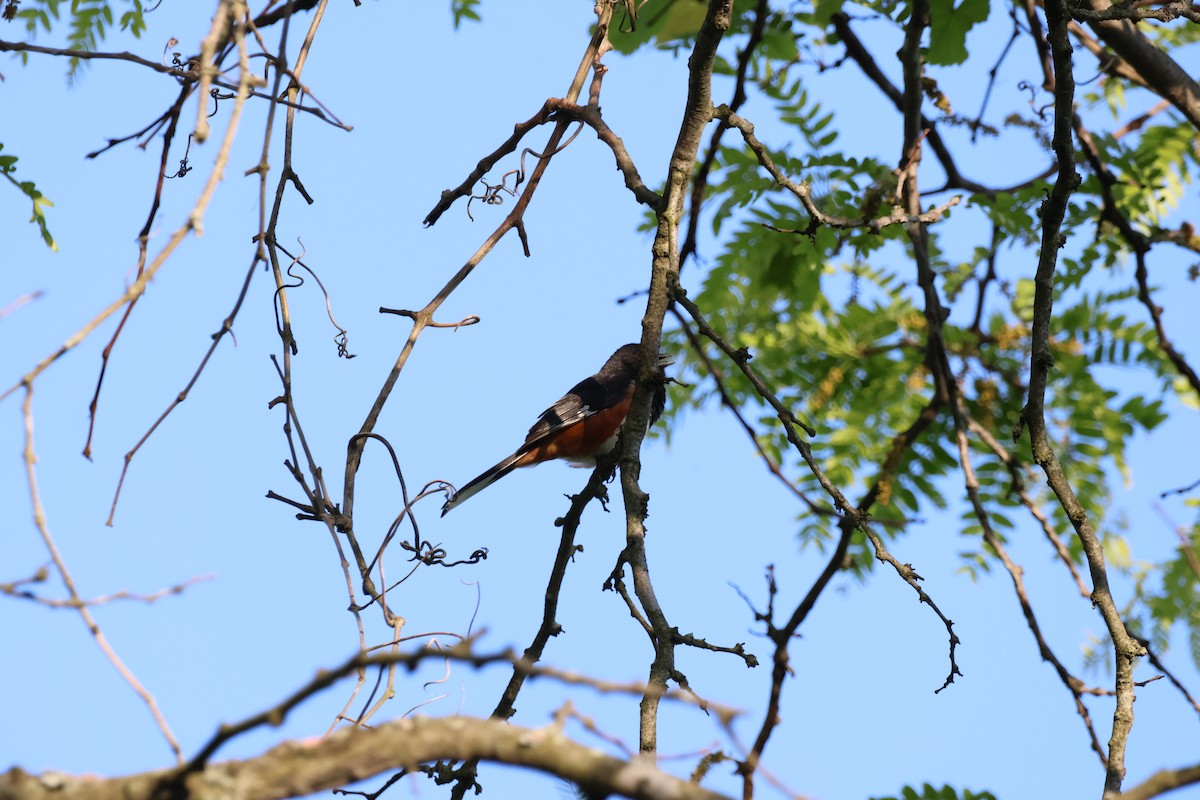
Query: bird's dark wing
[[586, 398], [602, 401]]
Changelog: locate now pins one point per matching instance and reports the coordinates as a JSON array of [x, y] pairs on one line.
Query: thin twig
[[858, 517], [77, 602], [803, 191], [1016, 574], [14, 590]]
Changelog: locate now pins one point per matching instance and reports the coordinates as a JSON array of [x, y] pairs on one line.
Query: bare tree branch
[[76, 601], [1159, 71], [1033, 415], [354, 754], [1163, 781]]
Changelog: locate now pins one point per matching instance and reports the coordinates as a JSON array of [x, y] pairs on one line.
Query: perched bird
[[583, 424]]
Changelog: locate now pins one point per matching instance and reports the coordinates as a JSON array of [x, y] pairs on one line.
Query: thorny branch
[[715, 372], [1016, 574], [171, 120], [1017, 472], [183, 72]]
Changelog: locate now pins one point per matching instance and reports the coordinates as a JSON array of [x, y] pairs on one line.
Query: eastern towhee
[[583, 424]]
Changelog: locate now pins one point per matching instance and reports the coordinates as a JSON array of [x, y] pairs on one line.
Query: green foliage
[[948, 28], [928, 792], [133, 19], [835, 322], [464, 10], [1171, 36], [823, 10], [8, 165], [672, 25], [88, 23], [667, 25], [1168, 593], [1150, 172]]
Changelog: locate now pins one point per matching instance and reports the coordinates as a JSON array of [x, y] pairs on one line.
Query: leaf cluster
[[88, 22], [8, 165], [930, 792], [836, 323]]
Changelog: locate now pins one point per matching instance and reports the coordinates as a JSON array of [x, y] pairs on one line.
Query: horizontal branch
[[295, 769], [1161, 73], [88, 55], [14, 590], [460, 652], [1165, 13], [1184, 236], [185, 75]]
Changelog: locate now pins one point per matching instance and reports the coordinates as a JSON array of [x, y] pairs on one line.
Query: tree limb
[[294, 769]]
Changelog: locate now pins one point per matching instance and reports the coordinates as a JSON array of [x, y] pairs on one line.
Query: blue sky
[[426, 102]]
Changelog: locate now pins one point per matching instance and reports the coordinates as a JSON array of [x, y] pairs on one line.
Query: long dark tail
[[483, 481]]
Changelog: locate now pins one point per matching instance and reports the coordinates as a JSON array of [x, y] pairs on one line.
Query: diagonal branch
[[857, 515], [590, 115], [803, 191], [861, 56], [514, 221], [486, 163], [1163, 781], [77, 601], [1161, 73], [1017, 574]]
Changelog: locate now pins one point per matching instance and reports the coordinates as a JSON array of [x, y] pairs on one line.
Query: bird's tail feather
[[483, 481]]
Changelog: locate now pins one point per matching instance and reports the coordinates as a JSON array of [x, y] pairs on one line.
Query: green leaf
[[1194, 641], [949, 26], [671, 23], [823, 10], [1023, 304], [930, 792], [1186, 395], [27, 188], [464, 10]]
